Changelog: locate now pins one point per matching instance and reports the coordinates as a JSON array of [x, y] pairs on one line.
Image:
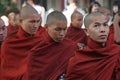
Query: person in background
[[75, 32], [14, 48], [72, 6], [13, 19], [94, 7], [116, 23], [3, 34]]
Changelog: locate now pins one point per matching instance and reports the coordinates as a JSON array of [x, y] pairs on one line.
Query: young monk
[[3, 35], [75, 32], [14, 48], [96, 61], [48, 60]]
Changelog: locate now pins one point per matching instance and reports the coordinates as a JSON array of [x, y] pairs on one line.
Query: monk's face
[[31, 24], [98, 29], [12, 19], [3, 31], [57, 30], [77, 21], [107, 14]]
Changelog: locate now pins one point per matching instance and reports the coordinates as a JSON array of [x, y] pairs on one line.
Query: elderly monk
[[48, 60], [96, 61], [3, 35], [14, 48], [75, 32]]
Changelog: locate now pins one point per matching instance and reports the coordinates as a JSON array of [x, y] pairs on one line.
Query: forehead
[[60, 24], [34, 16], [79, 15], [98, 19]]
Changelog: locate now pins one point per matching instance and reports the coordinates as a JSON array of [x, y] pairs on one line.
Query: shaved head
[[74, 15], [26, 11], [88, 19], [55, 16]]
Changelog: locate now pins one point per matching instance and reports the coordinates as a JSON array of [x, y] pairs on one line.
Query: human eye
[[105, 24], [57, 29], [32, 21], [95, 25]]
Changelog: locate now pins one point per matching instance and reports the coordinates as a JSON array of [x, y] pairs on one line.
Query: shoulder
[[10, 39]]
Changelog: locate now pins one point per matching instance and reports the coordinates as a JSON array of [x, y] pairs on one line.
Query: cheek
[[93, 34]]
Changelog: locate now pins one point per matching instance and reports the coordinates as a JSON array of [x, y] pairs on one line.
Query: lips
[[103, 36]]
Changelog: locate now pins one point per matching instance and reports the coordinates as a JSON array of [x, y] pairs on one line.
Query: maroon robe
[[40, 31], [49, 59], [11, 30], [0, 59], [95, 63], [111, 36], [14, 54], [77, 35]]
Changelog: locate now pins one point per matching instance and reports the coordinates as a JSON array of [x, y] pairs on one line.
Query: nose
[[102, 29], [37, 23], [62, 33]]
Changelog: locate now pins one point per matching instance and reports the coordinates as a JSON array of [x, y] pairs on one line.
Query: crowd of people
[[59, 48]]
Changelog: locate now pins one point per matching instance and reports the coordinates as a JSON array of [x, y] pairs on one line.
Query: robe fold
[[11, 30], [77, 35], [95, 62], [14, 54], [49, 59]]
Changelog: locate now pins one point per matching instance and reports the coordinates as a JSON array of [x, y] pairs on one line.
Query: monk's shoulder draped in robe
[[14, 54], [11, 30], [95, 63], [77, 35], [49, 59]]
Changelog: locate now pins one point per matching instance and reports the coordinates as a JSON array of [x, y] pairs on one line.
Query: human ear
[[46, 27]]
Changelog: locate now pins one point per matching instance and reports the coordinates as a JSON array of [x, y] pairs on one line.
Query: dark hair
[[117, 3], [92, 4]]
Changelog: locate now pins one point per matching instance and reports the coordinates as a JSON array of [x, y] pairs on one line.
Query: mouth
[[103, 36], [34, 30]]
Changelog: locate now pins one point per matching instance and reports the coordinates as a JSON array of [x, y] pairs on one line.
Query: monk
[[3, 35], [96, 61], [75, 32], [14, 48], [13, 26], [106, 12], [48, 60]]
